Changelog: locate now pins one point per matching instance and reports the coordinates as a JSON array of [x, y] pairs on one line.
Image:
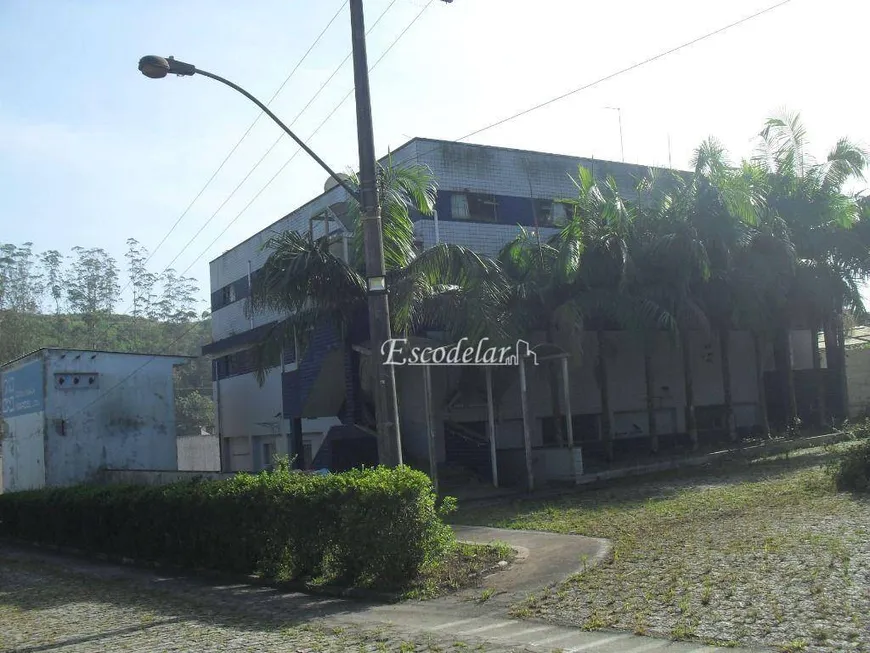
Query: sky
[[93, 153]]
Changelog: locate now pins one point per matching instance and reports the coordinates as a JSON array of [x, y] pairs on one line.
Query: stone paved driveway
[[57, 603], [82, 607]]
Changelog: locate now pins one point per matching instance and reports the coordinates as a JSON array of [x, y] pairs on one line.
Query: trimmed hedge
[[367, 528]]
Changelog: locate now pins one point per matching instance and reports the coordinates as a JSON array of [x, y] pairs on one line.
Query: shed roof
[[92, 351]]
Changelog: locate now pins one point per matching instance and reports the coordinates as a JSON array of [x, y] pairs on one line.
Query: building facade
[[485, 196], [66, 414]]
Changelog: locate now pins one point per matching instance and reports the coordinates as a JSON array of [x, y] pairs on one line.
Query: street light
[[386, 402], [158, 67]]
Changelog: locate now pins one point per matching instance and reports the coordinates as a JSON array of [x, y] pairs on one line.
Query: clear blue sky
[[92, 153]]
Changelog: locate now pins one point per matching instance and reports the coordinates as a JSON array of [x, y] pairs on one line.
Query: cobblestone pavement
[[54, 603], [84, 607]]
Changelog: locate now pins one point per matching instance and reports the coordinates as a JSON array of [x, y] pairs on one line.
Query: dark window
[[476, 207], [268, 456], [482, 208], [552, 214], [228, 295]]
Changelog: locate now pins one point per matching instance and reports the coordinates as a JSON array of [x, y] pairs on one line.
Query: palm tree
[[604, 224], [728, 202], [809, 196], [674, 262], [687, 240], [649, 276], [308, 284], [539, 277]]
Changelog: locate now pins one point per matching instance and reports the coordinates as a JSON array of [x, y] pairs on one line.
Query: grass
[[461, 568], [766, 552]]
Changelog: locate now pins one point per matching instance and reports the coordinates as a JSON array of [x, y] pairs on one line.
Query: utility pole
[[621, 142], [386, 402]]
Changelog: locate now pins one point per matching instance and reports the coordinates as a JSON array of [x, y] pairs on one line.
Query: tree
[[830, 256], [727, 204], [577, 278], [141, 282], [92, 288], [308, 283], [20, 296]]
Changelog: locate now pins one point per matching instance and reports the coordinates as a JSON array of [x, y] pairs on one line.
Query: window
[[228, 294], [459, 206], [482, 208], [551, 214], [479, 207], [561, 213], [268, 455]]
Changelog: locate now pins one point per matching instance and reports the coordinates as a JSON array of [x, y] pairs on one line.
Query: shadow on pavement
[[32, 579]]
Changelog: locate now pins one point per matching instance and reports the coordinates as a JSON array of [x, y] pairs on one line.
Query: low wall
[[198, 453], [153, 477]]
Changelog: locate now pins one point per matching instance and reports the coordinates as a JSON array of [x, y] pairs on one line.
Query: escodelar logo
[[397, 351]]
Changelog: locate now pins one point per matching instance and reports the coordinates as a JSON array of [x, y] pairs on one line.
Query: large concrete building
[[66, 414], [485, 194]]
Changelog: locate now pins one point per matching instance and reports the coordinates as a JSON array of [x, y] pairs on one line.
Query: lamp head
[[157, 67]]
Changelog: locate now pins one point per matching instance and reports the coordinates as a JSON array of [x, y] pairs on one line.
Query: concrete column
[[569, 423], [430, 426], [527, 429], [490, 414]]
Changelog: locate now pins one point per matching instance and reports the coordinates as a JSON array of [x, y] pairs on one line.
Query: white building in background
[[485, 196], [66, 414]]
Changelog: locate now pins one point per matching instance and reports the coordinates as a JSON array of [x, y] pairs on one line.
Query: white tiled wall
[[457, 166], [482, 238], [229, 320], [503, 171]]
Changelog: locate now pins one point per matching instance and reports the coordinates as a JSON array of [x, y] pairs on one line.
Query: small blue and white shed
[[68, 413]]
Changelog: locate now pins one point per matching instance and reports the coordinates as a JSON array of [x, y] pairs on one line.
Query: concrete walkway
[[543, 560]]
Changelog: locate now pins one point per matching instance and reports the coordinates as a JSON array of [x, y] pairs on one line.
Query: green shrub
[[373, 527], [851, 470], [857, 430]]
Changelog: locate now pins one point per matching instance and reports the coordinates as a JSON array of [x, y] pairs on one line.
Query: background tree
[[81, 299], [20, 296], [92, 288], [142, 284]]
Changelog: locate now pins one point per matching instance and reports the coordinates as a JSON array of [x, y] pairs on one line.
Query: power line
[[151, 359], [272, 147], [246, 133], [194, 325], [235, 147], [521, 113], [610, 76], [310, 136], [232, 151]]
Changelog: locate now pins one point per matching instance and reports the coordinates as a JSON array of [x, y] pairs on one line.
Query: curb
[[352, 593], [592, 481]]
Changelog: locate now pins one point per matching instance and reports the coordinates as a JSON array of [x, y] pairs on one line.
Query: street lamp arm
[[341, 182], [157, 67]]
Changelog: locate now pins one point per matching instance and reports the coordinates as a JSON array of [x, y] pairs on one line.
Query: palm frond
[[300, 268]]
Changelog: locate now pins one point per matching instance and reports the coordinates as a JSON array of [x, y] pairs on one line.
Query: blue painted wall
[[511, 209], [21, 390]]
